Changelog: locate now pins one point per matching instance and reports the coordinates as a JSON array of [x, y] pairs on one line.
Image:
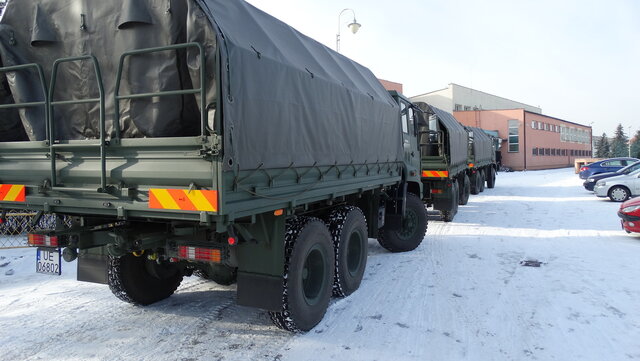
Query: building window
[[535, 151], [546, 126], [533, 124], [547, 151], [553, 151], [557, 129], [458, 107], [466, 107], [514, 138]]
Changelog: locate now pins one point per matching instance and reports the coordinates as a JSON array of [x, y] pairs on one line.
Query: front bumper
[[629, 223], [589, 185], [601, 191]]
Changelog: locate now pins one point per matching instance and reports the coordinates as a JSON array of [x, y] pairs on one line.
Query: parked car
[[604, 166], [591, 181], [619, 188], [629, 214]]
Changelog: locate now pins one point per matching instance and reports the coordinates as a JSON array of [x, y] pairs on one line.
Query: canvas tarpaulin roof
[[285, 98], [291, 100], [457, 135]]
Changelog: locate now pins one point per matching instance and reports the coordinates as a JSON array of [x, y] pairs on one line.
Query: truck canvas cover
[[458, 136], [482, 146], [284, 99]]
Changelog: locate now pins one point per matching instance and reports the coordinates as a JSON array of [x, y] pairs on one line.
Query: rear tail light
[[200, 254], [583, 168], [437, 191], [42, 240]]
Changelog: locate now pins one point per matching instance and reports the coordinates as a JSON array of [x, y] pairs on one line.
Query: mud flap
[[92, 268], [260, 291]]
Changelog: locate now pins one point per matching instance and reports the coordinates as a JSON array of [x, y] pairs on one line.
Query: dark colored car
[[630, 215], [605, 166], [591, 181]]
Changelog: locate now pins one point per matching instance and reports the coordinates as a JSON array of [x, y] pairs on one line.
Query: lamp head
[[354, 26]]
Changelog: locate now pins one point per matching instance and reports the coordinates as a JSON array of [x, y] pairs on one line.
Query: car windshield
[[630, 168]]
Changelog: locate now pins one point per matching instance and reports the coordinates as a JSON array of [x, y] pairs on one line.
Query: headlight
[[591, 180], [601, 184], [630, 209]]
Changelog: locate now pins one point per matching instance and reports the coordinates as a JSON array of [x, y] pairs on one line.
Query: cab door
[[409, 135]]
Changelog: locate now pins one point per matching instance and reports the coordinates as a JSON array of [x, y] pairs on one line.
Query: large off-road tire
[[481, 178], [447, 216], [220, 274], [308, 275], [412, 230], [348, 228], [140, 281], [619, 193], [491, 178], [465, 190], [475, 183]]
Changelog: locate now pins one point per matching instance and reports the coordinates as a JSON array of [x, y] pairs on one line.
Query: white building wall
[[459, 98], [442, 99]]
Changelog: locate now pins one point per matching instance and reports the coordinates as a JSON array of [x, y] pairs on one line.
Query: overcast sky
[[577, 60]]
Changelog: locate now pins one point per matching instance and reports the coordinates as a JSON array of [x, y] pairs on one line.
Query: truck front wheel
[[411, 233], [141, 281], [308, 275], [348, 228]]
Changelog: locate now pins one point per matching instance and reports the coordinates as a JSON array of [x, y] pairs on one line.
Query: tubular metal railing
[[48, 103]]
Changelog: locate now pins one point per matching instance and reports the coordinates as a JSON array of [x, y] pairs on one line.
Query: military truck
[[456, 161], [202, 137], [444, 144], [482, 160]]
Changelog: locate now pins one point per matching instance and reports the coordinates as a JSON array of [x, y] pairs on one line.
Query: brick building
[[532, 140]]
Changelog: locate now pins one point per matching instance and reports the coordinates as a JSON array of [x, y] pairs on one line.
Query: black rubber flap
[[42, 31]]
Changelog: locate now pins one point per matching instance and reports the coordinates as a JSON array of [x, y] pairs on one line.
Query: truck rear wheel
[[348, 228], [412, 230], [491, 179], [308, 275], [482, 179], [475, 183], [141, 281], [447, 216], [465, 190]]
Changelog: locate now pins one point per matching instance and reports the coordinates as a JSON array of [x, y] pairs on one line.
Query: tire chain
[[335, 222], [282, 319], [115, 281]]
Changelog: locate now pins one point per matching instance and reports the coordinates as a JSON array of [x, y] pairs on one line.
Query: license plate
[[48, 261]]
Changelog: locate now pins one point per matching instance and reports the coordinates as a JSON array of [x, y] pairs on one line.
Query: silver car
[[619, 188]]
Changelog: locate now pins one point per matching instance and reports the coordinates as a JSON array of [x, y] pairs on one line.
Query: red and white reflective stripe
[[42, 240]]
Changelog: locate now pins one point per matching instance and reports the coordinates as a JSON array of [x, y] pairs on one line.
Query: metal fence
[[16, 225]]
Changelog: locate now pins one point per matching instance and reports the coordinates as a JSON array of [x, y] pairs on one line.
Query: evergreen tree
[[635, 146], [619, 144], [603, 149]]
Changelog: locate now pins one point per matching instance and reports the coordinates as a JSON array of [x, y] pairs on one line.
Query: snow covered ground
[[463, 294]]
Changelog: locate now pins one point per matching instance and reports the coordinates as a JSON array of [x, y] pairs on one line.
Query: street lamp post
[[629, 128], [354, 26]]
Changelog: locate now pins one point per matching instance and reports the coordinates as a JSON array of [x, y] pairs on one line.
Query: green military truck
[[444, 144], [202, 136], [455, 161], [482, 160]]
